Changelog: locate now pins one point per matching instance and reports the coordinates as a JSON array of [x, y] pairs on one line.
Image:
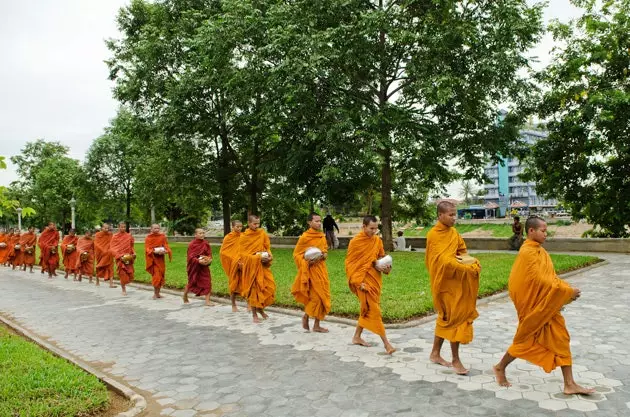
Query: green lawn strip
[[406, 291], [498, 230], [35, 383]]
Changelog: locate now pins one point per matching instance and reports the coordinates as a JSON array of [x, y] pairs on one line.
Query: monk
[[4, 245], [122, 250], [198, 258], [28, 241], [49, 250], [229, 255], [12, 239], [258, 285], [104, 260], [85, 260], [70, 253], [538, 295], [365, 281], [154, 260], [311, 286], [454, 277], [17, 257]]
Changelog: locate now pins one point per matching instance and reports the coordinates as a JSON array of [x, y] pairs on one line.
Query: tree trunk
[[253, 191], [224, 184], [128, 214], [386, 201]]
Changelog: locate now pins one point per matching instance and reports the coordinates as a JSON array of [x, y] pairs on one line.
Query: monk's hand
[[362, 287], [386, 270], [576, 294]]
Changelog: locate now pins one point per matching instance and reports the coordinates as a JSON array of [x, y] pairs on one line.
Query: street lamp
[[19, 212], [73, 204]]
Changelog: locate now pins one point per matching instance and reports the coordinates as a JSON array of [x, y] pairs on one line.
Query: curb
[[139, 402]]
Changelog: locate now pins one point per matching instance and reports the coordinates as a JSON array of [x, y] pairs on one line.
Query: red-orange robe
[[104, 260], [49, 240], [4, 251], [18, 254], [363, 250], [311, 286], [85, 245], [229, 255], [28, 241], [199, 279], [155, 264], [122, 244], [258, 285], [13, 240], [538, 295], [70, 259]]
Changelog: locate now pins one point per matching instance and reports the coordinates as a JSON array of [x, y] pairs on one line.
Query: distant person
[[4, 245], [198, 259], [122, 249], [28, 242], [49, 250], [399, 243], [70, 254], [85, 262], [104, 259], [517, 237], [155, 247], [329, 226]]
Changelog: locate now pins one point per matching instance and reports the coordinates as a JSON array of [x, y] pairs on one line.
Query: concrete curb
[[139, 402]]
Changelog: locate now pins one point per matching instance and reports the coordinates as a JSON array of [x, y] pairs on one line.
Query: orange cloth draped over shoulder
[[122, 244], [311, 286], [454, 286], [85, 244], [4, 251], [155, 264], [18, 258], [258, 285], [49, 241], [14, 239], [229, 255], [104, 260], [70, 259], [28, 241], [538, 295], [363, 250]]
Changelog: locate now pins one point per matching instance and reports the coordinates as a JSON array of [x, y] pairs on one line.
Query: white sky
[[53, 79]]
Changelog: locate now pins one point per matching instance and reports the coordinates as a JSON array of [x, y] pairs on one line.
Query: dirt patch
[[478, 233], [573, 230], [117, 404]]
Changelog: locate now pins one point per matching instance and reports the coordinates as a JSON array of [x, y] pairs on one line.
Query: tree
[[8, 204], [467, 191], [585, 160]]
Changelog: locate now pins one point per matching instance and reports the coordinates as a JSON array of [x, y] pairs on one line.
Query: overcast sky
[[53, 81]]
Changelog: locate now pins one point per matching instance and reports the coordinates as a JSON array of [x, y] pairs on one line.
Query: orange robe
[[363, 250], [104, 260], [155, 264], [229, 255], [13, 240], [258, 285], [70, 259], [28, 241], [311, 286], [85, 245], [538, 295], [4, 252], [122, 244], [49, 250], [454, 286], [18, 254]]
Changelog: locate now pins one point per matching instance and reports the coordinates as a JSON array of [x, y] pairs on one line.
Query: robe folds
[[199, 279], [229, 255], [538, 295], [49, 240], [13, 240], [156, 264], [454, 286], [4, 252], [85, 244], [122, 244], [70, 259], [104, 260], [311, 286], [258, 284], [363, 250], [28, 240]]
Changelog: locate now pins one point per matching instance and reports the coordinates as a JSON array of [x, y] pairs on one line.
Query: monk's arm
[[461, 246]]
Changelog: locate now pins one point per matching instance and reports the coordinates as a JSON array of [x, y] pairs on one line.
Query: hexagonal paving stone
[[509, 395], [536, 396], [553, 405]]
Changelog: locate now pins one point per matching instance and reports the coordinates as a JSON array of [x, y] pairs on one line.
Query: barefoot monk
[[155, 247], [229, 255]]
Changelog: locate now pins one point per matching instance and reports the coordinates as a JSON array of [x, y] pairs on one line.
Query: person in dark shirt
[[329, 227], [517, 238]]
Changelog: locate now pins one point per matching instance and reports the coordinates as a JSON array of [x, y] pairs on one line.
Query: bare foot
[[500, 375], [320, 329], [155, 297], [305, 325], [440, 360], [264, 315], [124, 292], [574, 388], [234, 309], [389, 349], [185, 298], [209, 304], [459, 369], [257, 320], [160, 296], [249, 308], [360, 342]]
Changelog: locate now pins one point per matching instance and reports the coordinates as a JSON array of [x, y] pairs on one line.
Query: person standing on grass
[[329, 229], [517, 234], [122, 250], [229, 255], [28, 241], [155, 247], [85, 260], [198, 259], [70, 254]]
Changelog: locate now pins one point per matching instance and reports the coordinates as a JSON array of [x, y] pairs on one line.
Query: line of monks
[[538, 294]]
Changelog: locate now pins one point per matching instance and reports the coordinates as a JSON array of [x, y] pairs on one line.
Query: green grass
[[35, 383], [498, 230], [406, 291]]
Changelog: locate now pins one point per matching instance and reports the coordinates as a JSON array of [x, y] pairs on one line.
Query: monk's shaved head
[[445, 206], [311, 215], [369, 219], [235, 222], [534, 222], [253, 217]]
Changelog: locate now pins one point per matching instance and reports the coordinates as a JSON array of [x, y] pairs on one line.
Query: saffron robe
[[4, 252], [85, 245], [199, 279], [229, 255], [363, 251], [49, 239], [28, 240], [538, 295], [70, 259], [155, 264], [311, 286], [13, 240], [258, 284], [122, 244], [104, 260]]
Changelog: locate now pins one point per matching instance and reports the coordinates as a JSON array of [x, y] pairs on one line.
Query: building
[[507, 190]]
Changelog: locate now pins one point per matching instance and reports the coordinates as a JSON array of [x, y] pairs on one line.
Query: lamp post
[[19, 212], [73, 204]]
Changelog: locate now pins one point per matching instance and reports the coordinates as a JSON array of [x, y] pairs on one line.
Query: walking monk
[[259, 286], [85, 261], [311, 286], [12, 239], [538, 295], [121, 248], [18, 252], [104, 260], [70, 253], [28, 241], [155, 247], [454, 277], [198, 258], [4, 245], [49, 250], [365, 281], [229, 255]]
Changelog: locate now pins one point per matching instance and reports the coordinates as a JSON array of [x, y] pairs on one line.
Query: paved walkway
[[198, 361]]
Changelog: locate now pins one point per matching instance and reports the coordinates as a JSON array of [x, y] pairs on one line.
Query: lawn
[[406, 291], [497, 230], [35, 383]]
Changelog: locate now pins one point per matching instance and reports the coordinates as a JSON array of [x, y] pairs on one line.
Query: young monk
[[122, 250], [229, 255], [85, 260], [454, 279], [28, 241], [538, 295], [70, 254], [198, 258], [154, 261], [365, 281], [311, 286], [49, 250], [12, 239], [259, 286], [4, 245], [104, 260], [17, 257]]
